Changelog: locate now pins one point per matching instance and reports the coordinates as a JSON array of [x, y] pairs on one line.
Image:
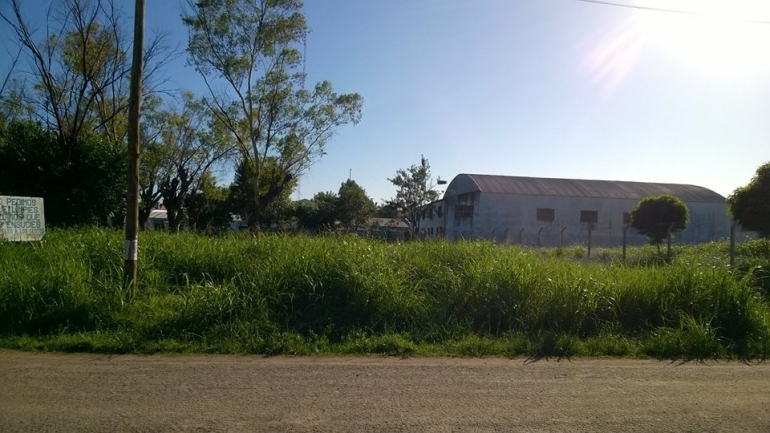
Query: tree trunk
[[253, 215], [175, 218], [144, 215]]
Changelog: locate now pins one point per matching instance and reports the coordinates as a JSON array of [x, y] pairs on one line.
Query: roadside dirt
[[65, 393]]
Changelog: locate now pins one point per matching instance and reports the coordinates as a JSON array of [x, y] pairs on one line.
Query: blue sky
[[547, 88]]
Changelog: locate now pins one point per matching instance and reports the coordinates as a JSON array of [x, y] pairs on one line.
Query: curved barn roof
[[464, 183]]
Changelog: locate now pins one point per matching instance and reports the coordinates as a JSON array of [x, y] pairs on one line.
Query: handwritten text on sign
[[21, 218]]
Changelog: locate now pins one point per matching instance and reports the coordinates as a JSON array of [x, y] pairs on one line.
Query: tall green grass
[[281, 294]]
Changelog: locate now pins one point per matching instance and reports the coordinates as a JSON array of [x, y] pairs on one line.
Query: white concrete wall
[[433, 227], [502, 217]]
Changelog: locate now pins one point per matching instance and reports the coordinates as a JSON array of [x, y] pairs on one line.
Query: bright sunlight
[[720, 37]]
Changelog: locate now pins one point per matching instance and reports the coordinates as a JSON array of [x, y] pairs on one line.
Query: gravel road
[[65, 393]]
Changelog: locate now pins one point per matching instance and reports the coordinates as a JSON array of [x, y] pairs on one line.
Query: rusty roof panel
[[495, 184]]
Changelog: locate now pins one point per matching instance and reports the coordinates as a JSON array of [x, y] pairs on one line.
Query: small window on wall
[[545, 214], [463, 211], [589, 216], [468, 197], [626, 218]]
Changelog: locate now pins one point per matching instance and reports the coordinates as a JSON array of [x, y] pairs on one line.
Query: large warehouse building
[[551, 212]]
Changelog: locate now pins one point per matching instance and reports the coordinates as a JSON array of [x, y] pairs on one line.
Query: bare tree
[[12, 92], [80, 67]]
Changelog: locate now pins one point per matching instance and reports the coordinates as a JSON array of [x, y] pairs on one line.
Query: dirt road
[[57, 392]]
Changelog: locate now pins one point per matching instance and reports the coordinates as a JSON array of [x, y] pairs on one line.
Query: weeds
[[280, 294]]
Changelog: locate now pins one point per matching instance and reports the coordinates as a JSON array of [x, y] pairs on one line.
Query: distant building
[[158, 219], [549, 212], [391, 229], [237, 224]]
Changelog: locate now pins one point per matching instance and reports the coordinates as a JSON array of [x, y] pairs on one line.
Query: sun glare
[[721, 37]]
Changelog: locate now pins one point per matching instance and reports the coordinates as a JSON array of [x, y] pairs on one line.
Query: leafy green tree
[[193, 146], [181, 144], [349, 208], [354, 207], [76, 82], [387, 210], [208, 208], [82, 185], [654, 215], [304, 213], [279, 208], [155, 156], [320, 213], [750, 204], [251, 49], [414, 190]]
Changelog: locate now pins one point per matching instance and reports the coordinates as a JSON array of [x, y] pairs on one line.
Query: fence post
[[590, 229], [521, 236], [561, 237], [538, 235], [625, 229], [732, 243]]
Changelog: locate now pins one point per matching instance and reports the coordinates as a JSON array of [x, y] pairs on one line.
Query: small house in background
[[391, 229], [158, 219], [552, 212], [238, 224]]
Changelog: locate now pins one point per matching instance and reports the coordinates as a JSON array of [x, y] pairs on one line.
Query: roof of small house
[[614, 189], [388, 223], [158, 214]]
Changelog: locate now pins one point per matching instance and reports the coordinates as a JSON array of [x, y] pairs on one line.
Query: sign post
[[21, 219]]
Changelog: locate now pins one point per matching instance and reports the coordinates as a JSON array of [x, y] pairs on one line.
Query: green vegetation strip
[[276, 294]]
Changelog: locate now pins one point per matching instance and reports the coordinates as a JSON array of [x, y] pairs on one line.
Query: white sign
[[21, 218]]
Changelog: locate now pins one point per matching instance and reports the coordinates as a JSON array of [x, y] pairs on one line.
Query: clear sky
[[547, 88]]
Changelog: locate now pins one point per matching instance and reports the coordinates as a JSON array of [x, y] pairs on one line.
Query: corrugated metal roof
[[388, 222], [464, 183]]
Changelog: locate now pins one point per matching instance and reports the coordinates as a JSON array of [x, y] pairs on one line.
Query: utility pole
[[134, 106]]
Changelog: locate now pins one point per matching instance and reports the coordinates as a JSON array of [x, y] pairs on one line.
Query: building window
[[589, 216], [463, 211], [626, 218], [468, 197], [545, 214]]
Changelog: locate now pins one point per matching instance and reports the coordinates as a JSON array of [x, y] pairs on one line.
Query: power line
[[657, 9]]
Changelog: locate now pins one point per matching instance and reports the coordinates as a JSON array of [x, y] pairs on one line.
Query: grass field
[[280, 294]]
